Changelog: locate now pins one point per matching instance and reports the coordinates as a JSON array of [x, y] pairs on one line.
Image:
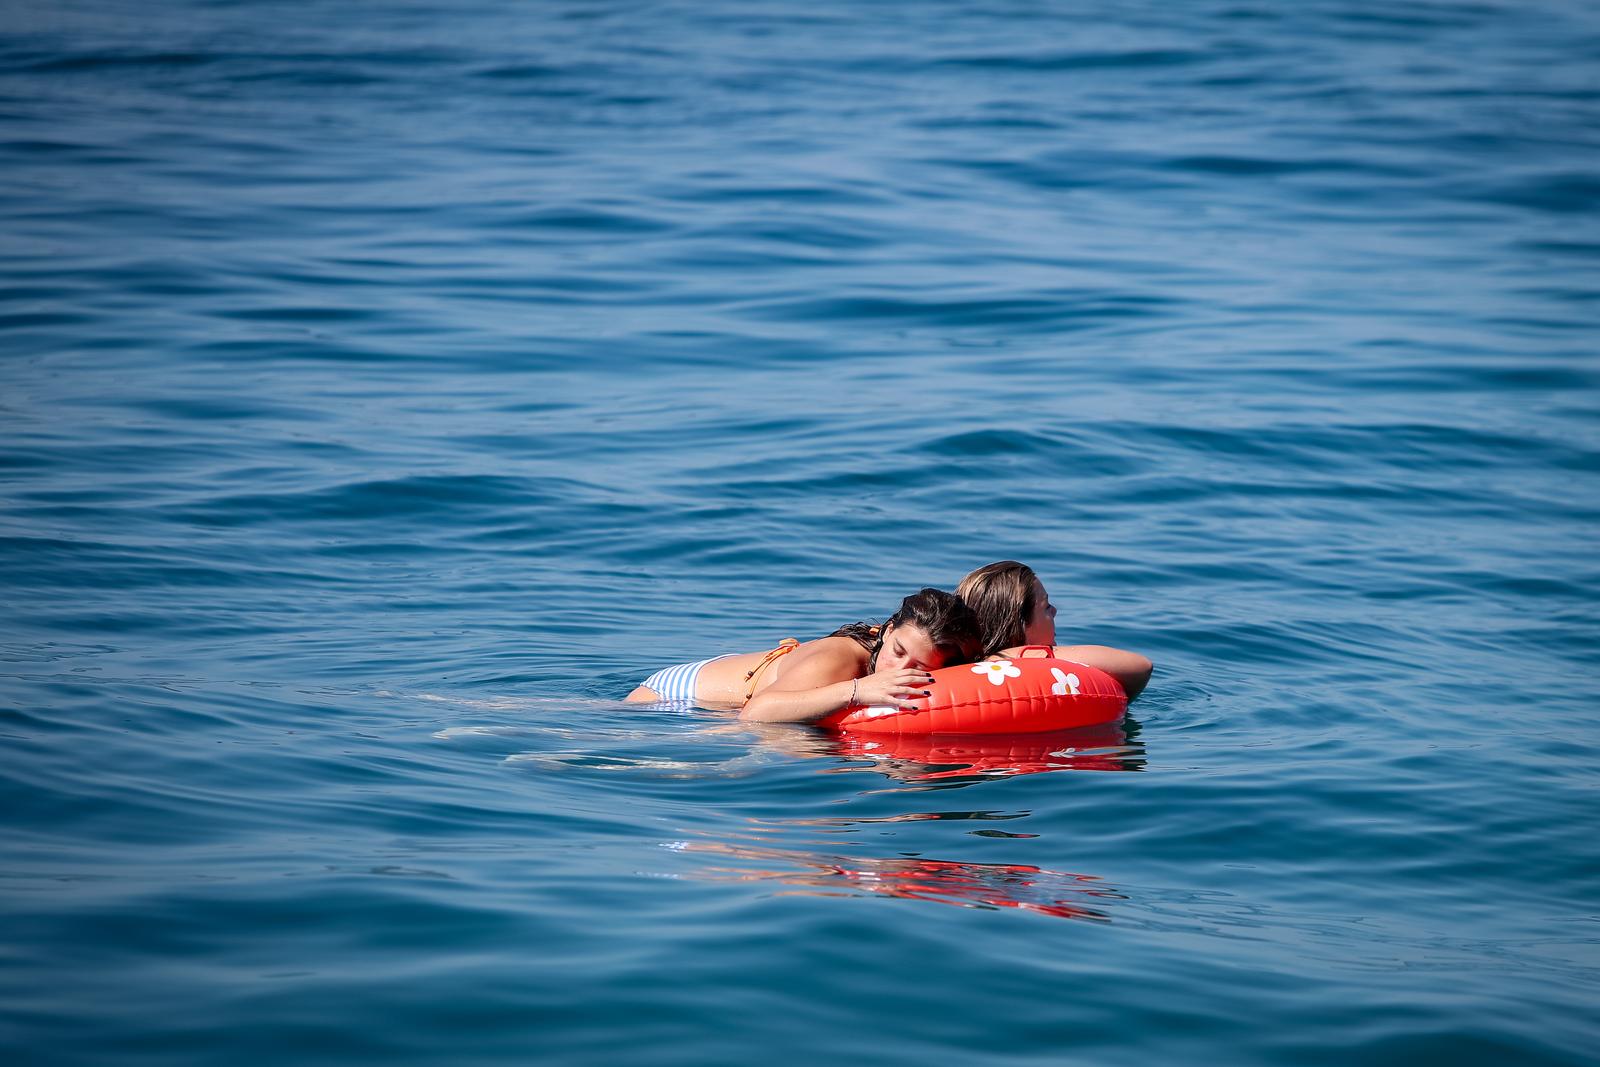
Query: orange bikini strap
[[753, 678]]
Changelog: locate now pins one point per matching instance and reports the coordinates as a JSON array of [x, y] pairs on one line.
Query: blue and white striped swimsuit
[[677, 684]]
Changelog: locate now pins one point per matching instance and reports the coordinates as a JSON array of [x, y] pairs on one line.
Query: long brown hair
[[951, 627], [1002, 596]]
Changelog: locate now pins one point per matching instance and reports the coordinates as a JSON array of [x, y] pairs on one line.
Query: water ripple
[[384, 394]]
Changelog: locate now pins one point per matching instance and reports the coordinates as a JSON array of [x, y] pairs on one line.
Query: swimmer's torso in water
[[728, 682]]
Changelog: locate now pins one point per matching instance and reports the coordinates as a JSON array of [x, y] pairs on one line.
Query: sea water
[[386, 388]]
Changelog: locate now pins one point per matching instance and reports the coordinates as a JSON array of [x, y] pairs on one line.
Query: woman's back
[[731, 681], [803, 681]]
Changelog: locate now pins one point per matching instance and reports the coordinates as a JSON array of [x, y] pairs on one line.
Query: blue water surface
[[386, 388]]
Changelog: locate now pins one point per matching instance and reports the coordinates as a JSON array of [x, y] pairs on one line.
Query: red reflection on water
[[969, 885], [934, 757]]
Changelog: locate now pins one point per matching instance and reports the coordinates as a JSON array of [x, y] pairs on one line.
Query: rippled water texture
[[385, 388]]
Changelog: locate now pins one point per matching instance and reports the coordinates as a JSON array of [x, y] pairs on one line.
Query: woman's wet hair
[[949, 624], [1002, 596]]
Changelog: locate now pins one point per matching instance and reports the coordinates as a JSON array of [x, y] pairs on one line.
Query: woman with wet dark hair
[[856, 664], [1015, 611]]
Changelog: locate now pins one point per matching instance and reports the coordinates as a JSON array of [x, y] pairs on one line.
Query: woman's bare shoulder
[[829, 650], [826, 658]]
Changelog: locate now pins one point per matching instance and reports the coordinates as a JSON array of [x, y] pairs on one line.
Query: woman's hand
[[897, 687]]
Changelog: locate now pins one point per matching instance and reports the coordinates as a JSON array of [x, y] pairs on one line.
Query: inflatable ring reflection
[[934, 757], [969, 885]]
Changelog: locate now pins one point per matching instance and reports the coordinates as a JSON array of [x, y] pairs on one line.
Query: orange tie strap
[[753, 678]]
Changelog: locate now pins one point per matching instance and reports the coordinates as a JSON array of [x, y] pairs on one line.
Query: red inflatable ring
[[1025, 695]]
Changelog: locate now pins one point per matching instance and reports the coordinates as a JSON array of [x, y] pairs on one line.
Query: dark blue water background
[[386, 387]]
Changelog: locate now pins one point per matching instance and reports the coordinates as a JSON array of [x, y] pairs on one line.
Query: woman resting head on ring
[[856, 664], [1015, 611]]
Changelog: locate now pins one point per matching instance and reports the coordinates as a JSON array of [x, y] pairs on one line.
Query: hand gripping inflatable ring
[[1025, 695]]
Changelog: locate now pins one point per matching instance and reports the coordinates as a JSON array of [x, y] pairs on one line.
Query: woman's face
[[1040, 627], [908, 646]]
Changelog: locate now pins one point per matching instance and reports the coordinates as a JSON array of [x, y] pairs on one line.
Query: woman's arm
[[823, 684], [1129, 668]]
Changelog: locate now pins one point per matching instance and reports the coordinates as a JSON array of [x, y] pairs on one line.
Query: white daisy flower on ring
[[997, 670]]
